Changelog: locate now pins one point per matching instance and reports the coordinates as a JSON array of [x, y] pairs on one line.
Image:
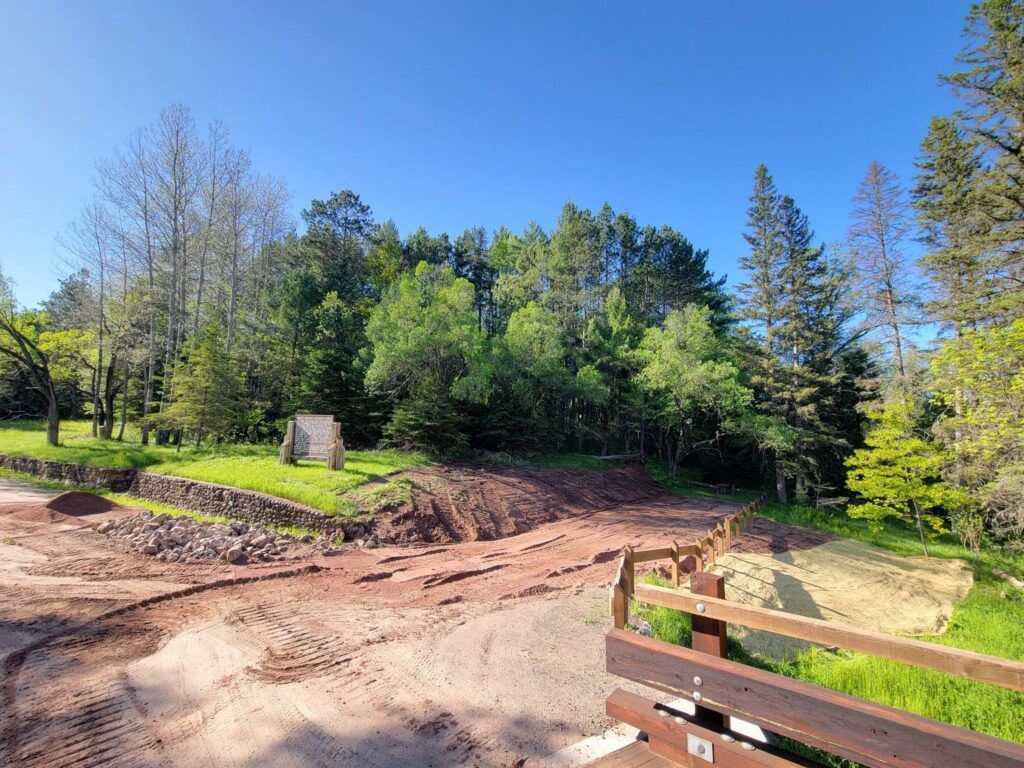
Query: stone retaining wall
[[119, 480], [193, 495]]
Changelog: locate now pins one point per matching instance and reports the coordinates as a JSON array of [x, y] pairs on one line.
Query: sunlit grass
[[126, 500], [253, 467]]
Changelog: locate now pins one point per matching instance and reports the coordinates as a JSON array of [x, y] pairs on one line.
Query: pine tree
[[794, 305], [951, 216], [209, 389], [989, 85]]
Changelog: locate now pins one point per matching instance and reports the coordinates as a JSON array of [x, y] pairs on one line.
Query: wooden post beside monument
[[314, 436]]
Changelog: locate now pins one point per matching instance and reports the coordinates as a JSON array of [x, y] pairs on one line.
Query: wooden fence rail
[[704, 550], [719, 689]]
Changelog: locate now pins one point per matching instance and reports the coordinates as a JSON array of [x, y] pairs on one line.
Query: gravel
[[183, 540]]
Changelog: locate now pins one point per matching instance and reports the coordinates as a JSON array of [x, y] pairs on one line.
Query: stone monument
[[314, 436]]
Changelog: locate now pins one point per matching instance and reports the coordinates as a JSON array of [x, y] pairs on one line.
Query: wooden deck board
[[636, 755]]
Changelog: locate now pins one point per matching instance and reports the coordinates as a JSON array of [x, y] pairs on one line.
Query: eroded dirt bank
[[468, 503]]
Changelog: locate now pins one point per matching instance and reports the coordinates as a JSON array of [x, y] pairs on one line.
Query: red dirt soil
[[470, 503], [487, 652], [68, 508]]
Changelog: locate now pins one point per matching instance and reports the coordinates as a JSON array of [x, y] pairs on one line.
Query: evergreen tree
[[471, 260], [950, 212], [989, 85], [209, 389], [339, 231], [794, 307]]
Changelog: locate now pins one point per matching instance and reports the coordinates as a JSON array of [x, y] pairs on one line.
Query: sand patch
[[845, 581]]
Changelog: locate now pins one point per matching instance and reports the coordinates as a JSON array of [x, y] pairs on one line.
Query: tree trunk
[[52, 417], [920, 527], [124, 404], [780, 484]]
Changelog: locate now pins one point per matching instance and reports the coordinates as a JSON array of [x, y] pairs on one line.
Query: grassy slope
[[254, 467], [984, 621]]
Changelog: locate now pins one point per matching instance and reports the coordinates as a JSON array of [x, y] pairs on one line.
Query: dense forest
[[195, 307]]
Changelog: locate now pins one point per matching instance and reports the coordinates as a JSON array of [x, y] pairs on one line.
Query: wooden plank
[[636, 755], [671, 731], [859, 730], [647, 555], [954, 661], [619, 607]]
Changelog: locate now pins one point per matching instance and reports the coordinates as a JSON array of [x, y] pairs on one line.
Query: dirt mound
[[76, 503], [67, 508], [451, 504]]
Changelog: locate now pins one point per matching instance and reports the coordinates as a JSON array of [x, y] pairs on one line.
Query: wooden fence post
[[675, 563], [699, 559], [627, 559], [619, 606], [709, 635]]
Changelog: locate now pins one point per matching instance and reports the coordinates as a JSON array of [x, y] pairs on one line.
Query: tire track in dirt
[[30, 673]]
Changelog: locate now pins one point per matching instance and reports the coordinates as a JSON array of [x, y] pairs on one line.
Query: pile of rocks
[[182, 539]]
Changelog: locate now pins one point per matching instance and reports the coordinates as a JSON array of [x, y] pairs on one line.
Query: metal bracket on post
[[699, 747]]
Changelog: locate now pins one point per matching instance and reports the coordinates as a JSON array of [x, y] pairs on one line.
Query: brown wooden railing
[[704, 550], [723, 692]]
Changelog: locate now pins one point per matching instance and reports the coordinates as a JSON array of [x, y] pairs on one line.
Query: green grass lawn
[[990, 619], [253, 467]]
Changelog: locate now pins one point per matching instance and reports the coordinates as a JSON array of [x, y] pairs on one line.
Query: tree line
[[197, 309]]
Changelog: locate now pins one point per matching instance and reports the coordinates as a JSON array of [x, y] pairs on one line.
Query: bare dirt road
[[484, 653]]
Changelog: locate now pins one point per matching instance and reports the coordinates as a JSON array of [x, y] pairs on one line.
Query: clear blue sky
[[452, 114]]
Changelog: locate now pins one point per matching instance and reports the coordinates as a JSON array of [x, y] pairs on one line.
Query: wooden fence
[[704, 550], [868, 733]]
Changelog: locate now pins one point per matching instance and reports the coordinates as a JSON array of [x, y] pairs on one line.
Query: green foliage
[[209, 390], [429, 356], [899, 473], [531, 381], [696, 391], [979, 378]]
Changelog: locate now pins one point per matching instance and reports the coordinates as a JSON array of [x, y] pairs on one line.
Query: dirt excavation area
[[485, 652], [844, 581]]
